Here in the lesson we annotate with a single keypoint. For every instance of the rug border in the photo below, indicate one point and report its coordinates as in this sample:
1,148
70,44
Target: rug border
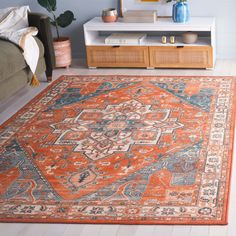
231,159
225,217
111,222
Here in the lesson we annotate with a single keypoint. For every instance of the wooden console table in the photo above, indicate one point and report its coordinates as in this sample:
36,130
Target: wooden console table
152,53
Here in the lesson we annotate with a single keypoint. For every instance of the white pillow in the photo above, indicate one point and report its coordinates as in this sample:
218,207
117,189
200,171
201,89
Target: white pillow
14,18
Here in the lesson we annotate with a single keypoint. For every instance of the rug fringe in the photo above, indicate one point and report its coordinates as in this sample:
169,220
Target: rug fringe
34,81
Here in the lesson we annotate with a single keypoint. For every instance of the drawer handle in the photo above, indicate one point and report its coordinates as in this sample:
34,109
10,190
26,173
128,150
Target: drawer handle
180,46
116,46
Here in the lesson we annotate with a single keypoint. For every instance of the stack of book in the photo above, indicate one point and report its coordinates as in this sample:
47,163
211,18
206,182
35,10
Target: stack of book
125,39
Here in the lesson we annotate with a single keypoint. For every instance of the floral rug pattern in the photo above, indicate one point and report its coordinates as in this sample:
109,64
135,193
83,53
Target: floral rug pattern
120,149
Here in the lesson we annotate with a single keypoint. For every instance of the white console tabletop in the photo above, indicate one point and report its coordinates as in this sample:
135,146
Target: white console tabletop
162,24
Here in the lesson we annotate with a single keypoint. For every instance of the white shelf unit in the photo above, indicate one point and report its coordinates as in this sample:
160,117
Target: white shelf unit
95,32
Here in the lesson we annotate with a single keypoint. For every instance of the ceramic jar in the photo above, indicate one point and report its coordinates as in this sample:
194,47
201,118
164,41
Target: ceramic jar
109,15
180,13
189,37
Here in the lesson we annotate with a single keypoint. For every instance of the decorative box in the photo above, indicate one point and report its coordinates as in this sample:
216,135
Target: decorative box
140,16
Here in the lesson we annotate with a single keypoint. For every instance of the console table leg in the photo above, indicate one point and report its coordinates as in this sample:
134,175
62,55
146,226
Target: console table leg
150,68
92,67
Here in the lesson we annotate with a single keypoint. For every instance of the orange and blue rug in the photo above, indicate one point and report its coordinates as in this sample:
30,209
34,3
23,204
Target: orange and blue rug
120,149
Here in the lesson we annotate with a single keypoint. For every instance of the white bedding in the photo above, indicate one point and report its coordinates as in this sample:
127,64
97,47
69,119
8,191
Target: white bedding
14,27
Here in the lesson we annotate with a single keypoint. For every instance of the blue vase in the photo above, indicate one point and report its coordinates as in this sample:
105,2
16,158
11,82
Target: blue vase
180,12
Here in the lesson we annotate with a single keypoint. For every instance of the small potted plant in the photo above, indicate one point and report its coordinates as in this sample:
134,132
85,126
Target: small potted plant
62,45
180,13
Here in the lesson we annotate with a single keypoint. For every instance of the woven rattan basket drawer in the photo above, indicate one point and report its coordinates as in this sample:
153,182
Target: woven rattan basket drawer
181,57
117,56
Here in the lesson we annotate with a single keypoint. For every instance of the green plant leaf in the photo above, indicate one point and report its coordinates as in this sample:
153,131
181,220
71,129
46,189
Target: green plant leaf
50,5
65,19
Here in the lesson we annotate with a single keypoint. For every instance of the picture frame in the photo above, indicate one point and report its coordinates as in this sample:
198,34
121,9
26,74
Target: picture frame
164,9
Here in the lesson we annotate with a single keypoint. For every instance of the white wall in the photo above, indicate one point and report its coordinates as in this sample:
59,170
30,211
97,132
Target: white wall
223,10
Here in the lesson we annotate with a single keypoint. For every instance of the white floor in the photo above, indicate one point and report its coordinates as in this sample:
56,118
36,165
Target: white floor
8,108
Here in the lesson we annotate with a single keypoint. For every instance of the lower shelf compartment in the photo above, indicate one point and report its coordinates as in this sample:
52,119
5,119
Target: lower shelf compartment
150,56
181,57
117,56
